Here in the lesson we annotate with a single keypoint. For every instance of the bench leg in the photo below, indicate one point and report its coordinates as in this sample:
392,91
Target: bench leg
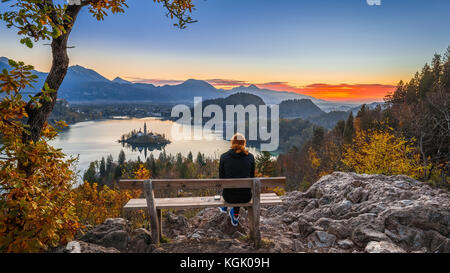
250,224
150,197
160,220
255,212
125,214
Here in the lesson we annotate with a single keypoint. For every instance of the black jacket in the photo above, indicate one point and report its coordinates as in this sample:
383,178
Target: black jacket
233,165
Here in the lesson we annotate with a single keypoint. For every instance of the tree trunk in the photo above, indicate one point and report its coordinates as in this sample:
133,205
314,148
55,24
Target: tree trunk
38,116
60,63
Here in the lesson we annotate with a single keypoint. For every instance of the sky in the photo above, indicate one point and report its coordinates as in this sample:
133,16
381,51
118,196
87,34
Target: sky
338,50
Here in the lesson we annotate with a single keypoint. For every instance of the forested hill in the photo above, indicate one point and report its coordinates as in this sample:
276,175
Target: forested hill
244,99
303,108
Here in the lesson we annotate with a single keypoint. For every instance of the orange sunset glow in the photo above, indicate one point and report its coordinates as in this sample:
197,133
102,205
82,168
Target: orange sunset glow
341,92
330,92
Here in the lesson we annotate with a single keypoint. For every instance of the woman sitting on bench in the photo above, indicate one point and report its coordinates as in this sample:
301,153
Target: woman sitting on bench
236,163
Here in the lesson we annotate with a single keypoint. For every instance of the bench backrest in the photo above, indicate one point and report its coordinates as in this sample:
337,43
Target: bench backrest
161,184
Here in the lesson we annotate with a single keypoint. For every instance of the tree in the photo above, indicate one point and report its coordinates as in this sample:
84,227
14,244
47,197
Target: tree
46,20
142,172
381,152
318,135
179,160
340,128
363,118
118,172
446,70
122,158
102,168
109,164
349,128
265,164
420,110
90,173
200,159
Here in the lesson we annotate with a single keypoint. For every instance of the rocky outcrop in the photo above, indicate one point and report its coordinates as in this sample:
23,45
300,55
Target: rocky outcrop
342,212
83,247
114,235
374,213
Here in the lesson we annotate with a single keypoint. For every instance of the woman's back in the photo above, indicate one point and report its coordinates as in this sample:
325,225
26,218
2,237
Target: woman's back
236,165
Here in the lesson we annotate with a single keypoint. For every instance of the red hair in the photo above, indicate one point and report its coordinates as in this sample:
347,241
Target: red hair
238,144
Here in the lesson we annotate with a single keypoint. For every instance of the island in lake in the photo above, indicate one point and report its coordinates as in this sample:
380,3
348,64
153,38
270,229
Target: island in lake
144,139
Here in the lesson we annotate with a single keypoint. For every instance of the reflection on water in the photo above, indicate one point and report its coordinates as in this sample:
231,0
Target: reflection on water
144,149
92,140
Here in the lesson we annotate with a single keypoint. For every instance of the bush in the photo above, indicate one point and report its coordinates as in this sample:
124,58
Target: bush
38,206
36,202
93,204
381,152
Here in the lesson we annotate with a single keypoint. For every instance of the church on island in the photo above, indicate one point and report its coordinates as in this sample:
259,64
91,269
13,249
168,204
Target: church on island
144,138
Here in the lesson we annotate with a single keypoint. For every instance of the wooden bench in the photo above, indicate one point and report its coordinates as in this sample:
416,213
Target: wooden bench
155,205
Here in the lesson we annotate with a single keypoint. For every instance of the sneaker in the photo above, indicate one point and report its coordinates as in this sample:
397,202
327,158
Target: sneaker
234,218
223,209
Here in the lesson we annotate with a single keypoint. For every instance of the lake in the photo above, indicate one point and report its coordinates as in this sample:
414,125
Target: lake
92,140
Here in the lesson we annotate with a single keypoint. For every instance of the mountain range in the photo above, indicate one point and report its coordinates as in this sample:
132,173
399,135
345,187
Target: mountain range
83,85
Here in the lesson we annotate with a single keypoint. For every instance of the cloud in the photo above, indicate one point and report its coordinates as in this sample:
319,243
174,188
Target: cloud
225,83
156,82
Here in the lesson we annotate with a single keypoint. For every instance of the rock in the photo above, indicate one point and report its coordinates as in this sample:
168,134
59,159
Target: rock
83,247
324,239
336,227
311,205
219,224
298,246
342,207
358,195
304,227
345,244
238,235
177,223
362,235
325,200
141,241
180,238
112,233
383,247
92,248
73,247
364,208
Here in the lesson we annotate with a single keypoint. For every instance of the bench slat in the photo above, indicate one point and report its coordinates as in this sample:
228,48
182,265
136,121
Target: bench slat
196,198
197,202
160,184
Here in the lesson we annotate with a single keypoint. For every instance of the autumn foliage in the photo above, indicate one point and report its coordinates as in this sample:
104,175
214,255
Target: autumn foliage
93,204
36,204
142,172
381,152
40,207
